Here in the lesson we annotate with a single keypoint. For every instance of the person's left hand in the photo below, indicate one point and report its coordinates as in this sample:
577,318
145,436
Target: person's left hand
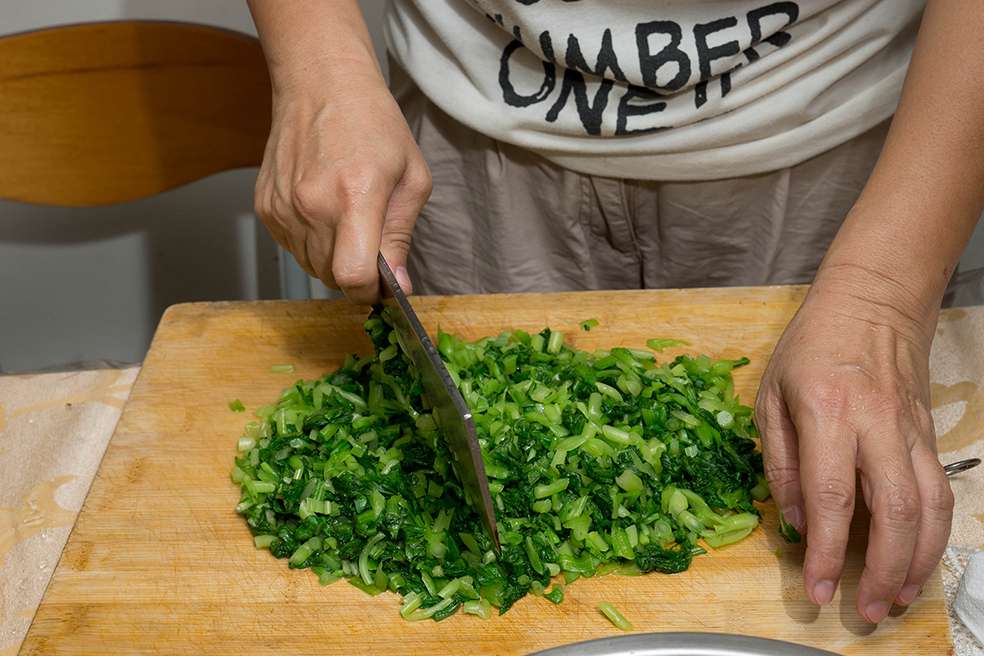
846,391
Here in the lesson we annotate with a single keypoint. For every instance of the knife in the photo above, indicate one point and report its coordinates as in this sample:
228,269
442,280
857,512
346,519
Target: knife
450,410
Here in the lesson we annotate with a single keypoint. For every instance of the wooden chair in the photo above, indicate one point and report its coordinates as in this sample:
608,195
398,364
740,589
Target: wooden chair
104,113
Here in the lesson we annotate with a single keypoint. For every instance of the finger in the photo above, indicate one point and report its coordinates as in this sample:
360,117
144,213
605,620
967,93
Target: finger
408,199
291,241
299,249
274,228
312,214
263,208
936,500
364,199
276,232
888,476
319,247
827,455
780,449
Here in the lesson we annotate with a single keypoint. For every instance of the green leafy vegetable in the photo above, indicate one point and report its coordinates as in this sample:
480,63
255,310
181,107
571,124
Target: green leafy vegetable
282,369
659,345
614,616
589,324
237,406
788,531
598,462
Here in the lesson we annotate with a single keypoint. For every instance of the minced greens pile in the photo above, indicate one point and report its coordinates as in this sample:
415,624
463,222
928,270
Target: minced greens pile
597,462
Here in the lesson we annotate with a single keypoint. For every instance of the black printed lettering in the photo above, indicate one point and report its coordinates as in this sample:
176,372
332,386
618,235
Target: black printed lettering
607,59
700,94
590,112
546,46
509,93
707,54
650,62
666,66
627,109
777,38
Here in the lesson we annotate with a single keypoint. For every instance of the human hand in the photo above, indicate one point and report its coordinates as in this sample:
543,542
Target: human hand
342,180
846,391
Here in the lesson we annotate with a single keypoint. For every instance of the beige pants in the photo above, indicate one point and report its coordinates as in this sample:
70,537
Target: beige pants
502,219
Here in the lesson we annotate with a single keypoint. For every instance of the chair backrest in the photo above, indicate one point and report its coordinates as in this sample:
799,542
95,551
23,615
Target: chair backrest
103,113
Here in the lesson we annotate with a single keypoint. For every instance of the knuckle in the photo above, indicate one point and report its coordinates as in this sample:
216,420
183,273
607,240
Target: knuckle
886,572
419,181
309,199
781,477
356,182
825,554
824,557
399,239
828,399
901,507
280,211
835,496
939,498
351,277
890,405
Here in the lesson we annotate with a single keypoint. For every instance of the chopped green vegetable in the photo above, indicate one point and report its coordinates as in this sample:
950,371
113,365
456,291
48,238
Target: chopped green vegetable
237,406
589,324
599,462
761,490
556,594
659,345
263,541
614,616
481,608
788,531
282,369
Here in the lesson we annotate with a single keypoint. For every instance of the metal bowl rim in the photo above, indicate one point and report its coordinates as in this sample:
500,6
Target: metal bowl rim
683,643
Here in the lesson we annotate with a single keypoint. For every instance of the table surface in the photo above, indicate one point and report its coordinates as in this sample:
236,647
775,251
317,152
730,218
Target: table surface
158,559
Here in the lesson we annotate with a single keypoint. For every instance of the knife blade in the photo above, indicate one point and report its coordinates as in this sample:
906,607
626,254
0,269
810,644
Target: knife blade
450,410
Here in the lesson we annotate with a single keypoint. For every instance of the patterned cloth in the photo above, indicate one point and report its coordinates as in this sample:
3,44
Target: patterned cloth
54,429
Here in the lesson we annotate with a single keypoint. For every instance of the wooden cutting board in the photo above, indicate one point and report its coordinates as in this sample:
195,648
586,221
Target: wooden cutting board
159,562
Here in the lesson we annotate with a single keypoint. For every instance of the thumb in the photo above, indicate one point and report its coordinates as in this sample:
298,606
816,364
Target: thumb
405,204
780,448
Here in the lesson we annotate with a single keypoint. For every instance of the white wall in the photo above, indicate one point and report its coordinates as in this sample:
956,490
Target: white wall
90,284
81,285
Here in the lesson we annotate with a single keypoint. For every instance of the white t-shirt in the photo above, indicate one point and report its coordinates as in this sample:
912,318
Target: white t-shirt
660,89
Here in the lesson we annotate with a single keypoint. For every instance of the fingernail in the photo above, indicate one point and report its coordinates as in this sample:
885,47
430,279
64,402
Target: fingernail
908,594
793,515
876,611
823,592
403,278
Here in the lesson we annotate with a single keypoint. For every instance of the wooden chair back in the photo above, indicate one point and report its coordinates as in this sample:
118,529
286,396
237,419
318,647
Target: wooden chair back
102,113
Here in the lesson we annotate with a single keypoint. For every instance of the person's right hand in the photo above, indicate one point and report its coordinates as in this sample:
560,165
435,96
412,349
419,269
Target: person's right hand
342,180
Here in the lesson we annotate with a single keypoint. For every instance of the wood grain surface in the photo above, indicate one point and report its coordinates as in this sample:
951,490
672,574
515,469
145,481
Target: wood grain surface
159,562
109,112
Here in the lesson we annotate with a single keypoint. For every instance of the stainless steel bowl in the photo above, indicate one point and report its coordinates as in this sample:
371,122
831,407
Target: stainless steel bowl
683,644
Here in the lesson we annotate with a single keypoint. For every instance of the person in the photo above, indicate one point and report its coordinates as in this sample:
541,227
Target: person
548,145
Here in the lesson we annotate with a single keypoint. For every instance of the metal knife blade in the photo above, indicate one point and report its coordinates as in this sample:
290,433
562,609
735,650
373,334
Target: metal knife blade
450,410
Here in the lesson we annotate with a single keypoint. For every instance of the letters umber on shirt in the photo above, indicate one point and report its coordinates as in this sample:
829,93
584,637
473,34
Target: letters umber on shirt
660,89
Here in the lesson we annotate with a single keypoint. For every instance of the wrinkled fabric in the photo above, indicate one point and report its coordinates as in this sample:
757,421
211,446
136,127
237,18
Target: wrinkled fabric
661,89
503,219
